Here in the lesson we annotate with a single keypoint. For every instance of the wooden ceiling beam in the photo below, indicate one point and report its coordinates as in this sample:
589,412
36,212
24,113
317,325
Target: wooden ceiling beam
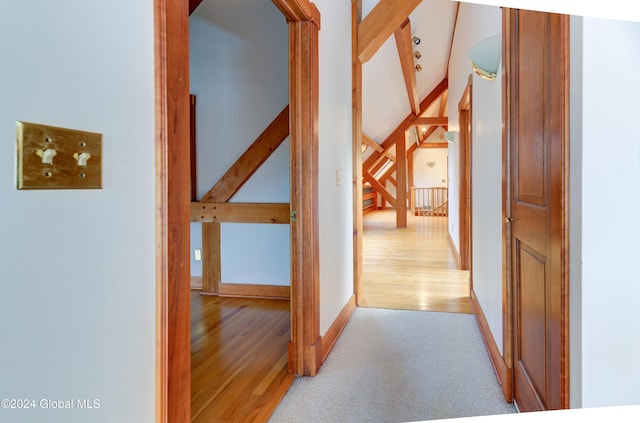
380,23
368,141
434,145
379,188
408,121
405,52
240,212
251,160
426,121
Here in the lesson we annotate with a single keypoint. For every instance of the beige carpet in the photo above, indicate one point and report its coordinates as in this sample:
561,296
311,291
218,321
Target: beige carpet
399,366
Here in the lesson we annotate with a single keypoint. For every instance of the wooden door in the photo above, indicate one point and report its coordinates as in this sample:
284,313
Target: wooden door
538,44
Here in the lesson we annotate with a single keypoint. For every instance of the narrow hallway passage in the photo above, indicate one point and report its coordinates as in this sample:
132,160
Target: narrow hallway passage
412,268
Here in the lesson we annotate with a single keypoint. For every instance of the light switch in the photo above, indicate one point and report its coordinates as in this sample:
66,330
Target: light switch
49,157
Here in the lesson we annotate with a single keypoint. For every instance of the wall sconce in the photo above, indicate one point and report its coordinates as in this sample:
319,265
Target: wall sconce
418,68
451,136
415,40
431,164
485,57
417,54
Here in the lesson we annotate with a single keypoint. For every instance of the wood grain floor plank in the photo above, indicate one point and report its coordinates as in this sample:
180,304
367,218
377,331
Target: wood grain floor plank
238,358
411,268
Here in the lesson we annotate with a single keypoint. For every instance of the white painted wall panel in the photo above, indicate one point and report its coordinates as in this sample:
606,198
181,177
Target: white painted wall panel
78,286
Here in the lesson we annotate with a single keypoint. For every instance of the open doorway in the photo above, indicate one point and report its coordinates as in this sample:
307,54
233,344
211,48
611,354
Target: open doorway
173,208
240,243
401,264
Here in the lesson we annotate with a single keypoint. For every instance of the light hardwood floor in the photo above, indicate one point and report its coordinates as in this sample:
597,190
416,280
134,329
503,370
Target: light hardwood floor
238,358
412,268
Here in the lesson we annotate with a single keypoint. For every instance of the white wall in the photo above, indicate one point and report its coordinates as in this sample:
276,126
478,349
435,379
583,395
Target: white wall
476,23
78,267
239,73
436,176
336,201
610,171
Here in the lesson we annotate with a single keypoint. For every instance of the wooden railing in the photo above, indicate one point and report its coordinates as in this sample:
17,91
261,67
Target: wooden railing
429,201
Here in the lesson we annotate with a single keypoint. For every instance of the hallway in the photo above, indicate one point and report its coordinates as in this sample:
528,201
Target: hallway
412,268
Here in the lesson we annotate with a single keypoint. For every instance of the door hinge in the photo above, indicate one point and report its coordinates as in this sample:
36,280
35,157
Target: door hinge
294,216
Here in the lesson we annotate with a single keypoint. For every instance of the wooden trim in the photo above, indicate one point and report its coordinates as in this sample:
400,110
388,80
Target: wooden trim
503,373
192,148
305,273
405,52
358,136
249,162
338,325
196,283
507,291
453,34
173,334
425,121
240,212
254,291
454,250
465,224
380,23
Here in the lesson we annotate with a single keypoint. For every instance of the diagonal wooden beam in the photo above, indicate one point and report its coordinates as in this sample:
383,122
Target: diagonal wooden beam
407,122
378,187
250,160
405,52
380,23
367,140
443,103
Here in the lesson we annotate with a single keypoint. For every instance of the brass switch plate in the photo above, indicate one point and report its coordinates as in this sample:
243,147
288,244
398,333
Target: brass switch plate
49,157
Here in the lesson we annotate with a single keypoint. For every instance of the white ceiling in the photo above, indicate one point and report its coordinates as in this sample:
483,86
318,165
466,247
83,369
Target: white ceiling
385,101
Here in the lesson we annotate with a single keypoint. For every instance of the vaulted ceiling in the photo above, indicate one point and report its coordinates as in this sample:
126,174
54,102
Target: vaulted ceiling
384,96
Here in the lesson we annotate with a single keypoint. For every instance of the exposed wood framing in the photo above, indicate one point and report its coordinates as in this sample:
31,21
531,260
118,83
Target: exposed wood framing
211,266
401,177
380,23
434,145
424,121
358,137
405,52
370,142
378,187
443,103
240,212
407,122
250,161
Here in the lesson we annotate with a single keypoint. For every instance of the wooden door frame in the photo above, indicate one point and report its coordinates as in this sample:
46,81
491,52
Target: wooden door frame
508,314
173,355
465,149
